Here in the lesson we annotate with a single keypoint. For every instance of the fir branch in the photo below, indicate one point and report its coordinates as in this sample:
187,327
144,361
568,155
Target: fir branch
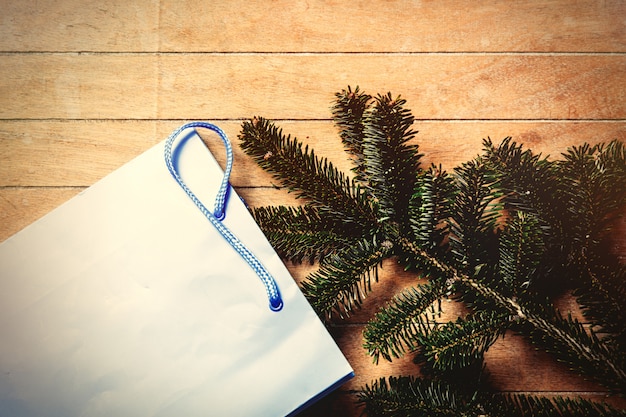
530,185
603,301
582,351
428,263
390,164
500,222
429,208
594,187
527,180
308,176
597,170
462,344
395,327
299,233
348,114
410,396
521,251
344,279
566,339
474,214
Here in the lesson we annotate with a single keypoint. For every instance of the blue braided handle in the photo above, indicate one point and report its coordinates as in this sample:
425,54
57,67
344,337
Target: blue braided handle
273,293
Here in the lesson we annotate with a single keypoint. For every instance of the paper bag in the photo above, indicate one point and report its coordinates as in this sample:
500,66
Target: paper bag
128,301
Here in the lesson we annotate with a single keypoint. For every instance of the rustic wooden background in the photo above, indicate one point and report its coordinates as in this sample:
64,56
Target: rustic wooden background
86,85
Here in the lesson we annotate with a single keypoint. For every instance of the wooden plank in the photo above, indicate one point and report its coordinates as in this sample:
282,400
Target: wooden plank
78,153
77,86
69,153
201,86
449,86
398,26
312,26
79,25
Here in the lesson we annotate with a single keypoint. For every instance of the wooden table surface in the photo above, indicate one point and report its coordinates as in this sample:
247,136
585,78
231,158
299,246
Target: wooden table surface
87,85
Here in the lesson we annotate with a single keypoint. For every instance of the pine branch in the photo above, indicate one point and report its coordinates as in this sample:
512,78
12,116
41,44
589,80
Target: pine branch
575,201
394,329
409,396
474,214
429,264
603,300
344,279
594,187
459,345
501,231
528,182
348,114
299,233
429,208
566,339
521,251
582,351
530,185
307,175
390,164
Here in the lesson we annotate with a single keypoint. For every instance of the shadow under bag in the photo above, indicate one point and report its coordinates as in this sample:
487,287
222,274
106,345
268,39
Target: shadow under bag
135,299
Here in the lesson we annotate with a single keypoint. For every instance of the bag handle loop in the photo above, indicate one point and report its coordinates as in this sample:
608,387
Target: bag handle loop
219,213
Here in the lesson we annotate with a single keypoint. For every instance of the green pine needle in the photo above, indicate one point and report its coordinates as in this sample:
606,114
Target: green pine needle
411,396
310,177
429,208
395,328
348,113
390,164
463,343
415,397
474,214
521,251
603,300
301,233
524,405
344,279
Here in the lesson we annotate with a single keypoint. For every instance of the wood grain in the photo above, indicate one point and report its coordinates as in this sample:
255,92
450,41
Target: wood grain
192,86
399,26
79,25
76,86
313,26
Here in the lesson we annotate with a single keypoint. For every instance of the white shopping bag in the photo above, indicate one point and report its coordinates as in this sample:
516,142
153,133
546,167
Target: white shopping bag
129,300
